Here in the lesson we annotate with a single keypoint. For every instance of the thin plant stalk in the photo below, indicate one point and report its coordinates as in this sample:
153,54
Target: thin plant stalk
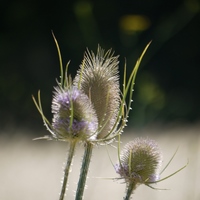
84,170
67,169
129,191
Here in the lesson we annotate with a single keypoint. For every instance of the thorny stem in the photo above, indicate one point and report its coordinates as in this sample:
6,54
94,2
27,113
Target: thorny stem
84,171
129,191
67,168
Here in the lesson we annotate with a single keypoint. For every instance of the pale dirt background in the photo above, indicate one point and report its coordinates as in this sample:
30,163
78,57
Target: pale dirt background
32,170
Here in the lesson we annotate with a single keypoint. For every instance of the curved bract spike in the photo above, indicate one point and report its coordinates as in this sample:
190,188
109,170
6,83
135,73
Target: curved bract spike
60,60
160,180
45,120
129,86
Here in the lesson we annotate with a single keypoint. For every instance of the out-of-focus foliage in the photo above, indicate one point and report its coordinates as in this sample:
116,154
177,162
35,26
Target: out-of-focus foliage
167,86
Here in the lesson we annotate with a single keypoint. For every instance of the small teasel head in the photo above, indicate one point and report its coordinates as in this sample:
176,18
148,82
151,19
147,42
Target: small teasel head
139,162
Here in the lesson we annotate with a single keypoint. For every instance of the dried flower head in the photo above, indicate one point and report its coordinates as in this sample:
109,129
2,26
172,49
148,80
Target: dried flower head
99,79
140,160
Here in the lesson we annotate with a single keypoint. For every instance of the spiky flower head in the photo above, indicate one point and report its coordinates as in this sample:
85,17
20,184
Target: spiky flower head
99,79
105,112
73,115
139,162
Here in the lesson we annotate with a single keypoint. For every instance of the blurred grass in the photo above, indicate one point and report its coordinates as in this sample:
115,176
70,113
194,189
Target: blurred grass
33,169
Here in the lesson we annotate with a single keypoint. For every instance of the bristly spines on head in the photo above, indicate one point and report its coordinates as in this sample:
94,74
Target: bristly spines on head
98,77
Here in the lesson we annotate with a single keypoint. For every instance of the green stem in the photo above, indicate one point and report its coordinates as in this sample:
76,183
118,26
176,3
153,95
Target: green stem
67,168
129,190
84,171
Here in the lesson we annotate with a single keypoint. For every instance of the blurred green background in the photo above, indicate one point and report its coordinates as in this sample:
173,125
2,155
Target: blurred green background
167,85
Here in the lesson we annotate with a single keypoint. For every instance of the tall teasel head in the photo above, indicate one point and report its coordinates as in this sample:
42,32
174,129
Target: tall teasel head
99,79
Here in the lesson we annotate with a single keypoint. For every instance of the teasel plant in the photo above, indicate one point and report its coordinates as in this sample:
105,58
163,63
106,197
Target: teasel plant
98,78
89,109
74,119
139,163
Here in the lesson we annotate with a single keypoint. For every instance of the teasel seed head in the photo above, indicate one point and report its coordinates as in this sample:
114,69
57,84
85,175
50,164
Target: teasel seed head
73,115
98,78
139,162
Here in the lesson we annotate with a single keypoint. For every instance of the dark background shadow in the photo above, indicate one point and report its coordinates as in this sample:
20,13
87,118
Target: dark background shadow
167,86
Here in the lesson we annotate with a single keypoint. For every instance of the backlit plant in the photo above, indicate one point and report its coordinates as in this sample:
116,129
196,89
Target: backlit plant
92,110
